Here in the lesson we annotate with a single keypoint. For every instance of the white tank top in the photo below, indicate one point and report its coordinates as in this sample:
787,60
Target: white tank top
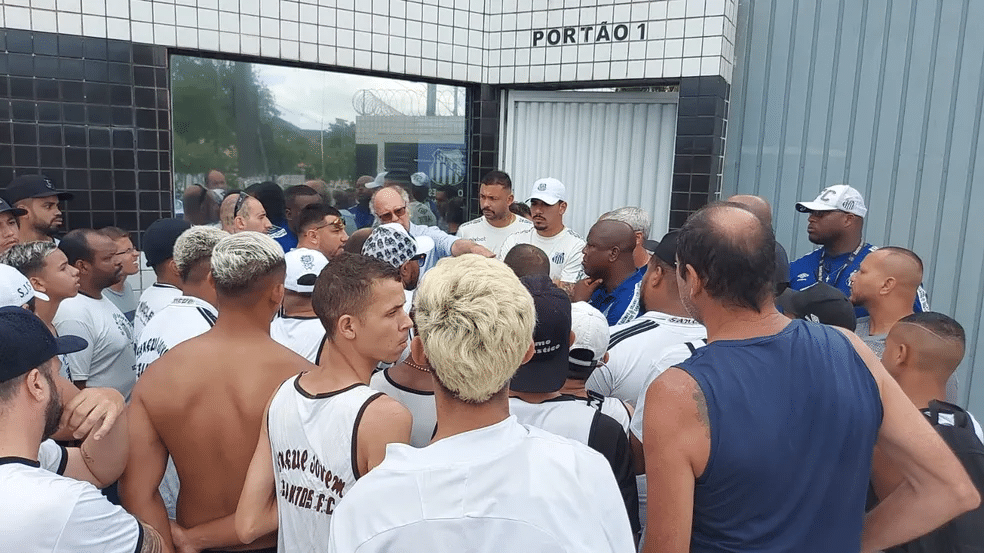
420,404
313,439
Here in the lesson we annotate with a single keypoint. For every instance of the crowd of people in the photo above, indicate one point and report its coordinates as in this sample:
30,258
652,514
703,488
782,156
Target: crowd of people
366,372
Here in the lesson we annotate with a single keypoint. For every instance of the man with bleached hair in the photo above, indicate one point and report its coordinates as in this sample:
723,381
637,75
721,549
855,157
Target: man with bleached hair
203,399
485,478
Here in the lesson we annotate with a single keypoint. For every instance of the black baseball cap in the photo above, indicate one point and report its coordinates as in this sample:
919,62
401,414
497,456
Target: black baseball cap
665,249
159,239
15,211
820,303
26,343
547,370
32,186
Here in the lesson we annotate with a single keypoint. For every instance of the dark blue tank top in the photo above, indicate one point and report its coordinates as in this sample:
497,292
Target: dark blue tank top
794,417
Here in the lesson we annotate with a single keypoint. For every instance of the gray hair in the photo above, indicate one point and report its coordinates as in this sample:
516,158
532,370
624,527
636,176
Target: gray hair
635,217
242,259
403,196
194,245
28,258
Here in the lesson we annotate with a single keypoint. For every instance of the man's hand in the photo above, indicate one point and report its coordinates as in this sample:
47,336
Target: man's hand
93,409
461,247
182,544
584,288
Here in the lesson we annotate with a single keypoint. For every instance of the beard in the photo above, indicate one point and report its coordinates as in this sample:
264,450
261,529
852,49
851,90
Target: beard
691,308
52,411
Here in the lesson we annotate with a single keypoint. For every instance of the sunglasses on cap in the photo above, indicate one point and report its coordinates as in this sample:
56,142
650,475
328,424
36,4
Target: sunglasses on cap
239,203
338,225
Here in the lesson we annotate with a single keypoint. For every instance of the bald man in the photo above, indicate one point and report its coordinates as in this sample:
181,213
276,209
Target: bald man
612,283
886,285
527,259
761,209
226,212
921,353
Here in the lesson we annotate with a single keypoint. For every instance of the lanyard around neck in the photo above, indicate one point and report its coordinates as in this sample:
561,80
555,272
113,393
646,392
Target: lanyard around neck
840,271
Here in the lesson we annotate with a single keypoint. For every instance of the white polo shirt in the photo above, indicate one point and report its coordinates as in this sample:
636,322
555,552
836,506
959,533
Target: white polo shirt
185,318
633,347
564,250
303,335
152,300
109,361
43,511
505,487
481,232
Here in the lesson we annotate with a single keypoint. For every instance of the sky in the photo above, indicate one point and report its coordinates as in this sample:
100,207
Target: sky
311,98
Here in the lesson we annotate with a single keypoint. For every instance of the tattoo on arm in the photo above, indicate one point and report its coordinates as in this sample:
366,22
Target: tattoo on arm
152,540
702,415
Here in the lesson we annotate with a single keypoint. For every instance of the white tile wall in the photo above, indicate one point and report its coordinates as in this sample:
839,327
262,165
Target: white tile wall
486,41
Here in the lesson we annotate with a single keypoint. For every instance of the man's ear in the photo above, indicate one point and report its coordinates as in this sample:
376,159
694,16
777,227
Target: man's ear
563,207
529,353
887,285
417,352
37,284
346,327
277,294
693,281
34,387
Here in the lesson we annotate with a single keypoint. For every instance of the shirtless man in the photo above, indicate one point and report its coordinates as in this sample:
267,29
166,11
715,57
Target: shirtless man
329,417
202,417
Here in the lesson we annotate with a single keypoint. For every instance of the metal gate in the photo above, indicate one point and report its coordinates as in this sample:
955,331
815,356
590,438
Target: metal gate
611,149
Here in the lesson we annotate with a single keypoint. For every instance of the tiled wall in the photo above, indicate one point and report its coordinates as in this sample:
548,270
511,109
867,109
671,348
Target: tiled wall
487,41
92,114
702,117
563,41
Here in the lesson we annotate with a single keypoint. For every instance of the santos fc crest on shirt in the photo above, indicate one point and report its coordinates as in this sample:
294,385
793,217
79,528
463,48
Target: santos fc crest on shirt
558,258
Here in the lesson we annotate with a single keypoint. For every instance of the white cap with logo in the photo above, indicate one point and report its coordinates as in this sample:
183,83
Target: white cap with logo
548,190
15,288
839,197
591,333
303,267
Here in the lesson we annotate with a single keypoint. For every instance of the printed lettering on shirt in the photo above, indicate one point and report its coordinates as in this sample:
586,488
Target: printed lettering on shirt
322,501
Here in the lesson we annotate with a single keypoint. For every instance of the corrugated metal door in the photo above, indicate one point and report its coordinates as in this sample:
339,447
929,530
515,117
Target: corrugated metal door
610,150
884,95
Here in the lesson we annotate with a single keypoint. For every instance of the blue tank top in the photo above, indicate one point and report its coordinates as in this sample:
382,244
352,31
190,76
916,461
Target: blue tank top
794,417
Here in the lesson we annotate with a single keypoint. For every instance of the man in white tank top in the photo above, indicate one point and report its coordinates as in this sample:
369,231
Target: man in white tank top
325,428
298,328
486,482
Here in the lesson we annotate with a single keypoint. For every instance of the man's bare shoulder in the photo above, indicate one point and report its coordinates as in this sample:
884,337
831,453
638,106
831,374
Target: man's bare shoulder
386,409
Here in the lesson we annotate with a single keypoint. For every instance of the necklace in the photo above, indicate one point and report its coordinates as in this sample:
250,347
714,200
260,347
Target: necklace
836,277
416,366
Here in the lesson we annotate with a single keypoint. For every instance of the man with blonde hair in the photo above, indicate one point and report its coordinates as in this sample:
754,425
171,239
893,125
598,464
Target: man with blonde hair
485,478
203,399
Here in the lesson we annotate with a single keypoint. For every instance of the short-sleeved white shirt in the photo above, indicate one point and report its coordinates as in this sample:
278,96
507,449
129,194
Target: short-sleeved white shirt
505,487
43,511
632,349
564,250
481,232
303,335
152,300
109,361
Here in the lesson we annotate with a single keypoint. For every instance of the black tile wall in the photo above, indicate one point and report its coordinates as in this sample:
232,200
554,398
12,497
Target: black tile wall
702,117
483,140
94,116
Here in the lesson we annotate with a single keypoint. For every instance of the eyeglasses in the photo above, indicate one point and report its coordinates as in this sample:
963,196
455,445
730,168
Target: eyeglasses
337,225
239,203
419,258
394,215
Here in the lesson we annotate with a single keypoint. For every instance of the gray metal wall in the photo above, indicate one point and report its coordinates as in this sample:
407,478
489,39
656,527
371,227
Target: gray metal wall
886,96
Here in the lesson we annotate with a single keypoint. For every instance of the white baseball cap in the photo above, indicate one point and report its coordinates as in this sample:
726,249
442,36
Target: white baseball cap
591,333
379,181
839,197
548,190
303,267
15,289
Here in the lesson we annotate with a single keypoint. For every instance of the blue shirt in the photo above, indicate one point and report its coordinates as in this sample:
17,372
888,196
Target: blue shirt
622,304
793,421
837,271
442,245
283,236
363,217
